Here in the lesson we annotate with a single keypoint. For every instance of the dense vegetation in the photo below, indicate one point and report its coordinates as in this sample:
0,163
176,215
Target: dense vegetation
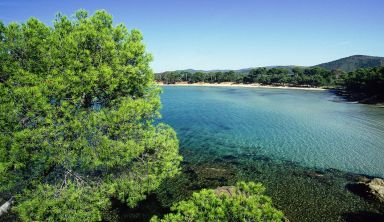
366,84
245,202
296,76
78,101
353,63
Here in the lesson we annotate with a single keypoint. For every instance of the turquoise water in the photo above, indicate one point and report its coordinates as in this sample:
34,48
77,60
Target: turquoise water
311,128
306,147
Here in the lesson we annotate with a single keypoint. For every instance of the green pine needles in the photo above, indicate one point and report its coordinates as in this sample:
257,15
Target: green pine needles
77,111
245,202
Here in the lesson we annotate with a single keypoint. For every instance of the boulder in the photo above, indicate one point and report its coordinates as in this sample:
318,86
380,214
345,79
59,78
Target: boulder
369,188
376,187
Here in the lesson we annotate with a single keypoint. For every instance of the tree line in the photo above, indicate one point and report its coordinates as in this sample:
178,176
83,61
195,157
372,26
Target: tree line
296,76
363,83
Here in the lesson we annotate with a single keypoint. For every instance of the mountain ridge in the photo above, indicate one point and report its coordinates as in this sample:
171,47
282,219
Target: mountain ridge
347,64
351,63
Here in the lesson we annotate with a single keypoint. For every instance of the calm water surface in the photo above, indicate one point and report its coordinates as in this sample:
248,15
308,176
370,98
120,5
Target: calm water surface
312,128
304,146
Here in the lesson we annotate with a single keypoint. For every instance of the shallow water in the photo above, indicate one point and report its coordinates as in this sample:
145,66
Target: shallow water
312,128
304,146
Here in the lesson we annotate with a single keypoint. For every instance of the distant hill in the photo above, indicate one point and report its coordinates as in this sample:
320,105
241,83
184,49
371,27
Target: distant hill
347,64
245,70
354,62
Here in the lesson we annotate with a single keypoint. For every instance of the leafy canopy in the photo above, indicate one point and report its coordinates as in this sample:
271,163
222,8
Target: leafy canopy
369,81
78,101
246,202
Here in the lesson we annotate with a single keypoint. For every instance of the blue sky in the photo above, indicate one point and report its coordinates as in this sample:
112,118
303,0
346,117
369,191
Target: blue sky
223,34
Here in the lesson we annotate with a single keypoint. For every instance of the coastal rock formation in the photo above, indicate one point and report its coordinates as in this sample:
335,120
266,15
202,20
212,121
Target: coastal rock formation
369,188
376,187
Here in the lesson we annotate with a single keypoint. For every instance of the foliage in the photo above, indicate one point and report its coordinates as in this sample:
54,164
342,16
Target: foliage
75,203
326,74
246,203
296,76
78,101
367,81
193,77
352,63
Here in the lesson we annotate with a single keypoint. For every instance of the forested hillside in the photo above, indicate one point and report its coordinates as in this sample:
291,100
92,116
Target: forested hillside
353,63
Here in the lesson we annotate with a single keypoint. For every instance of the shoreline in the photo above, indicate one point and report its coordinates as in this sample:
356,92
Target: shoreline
232,84
346,96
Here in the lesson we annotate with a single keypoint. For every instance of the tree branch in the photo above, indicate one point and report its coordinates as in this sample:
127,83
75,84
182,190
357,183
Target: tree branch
6,206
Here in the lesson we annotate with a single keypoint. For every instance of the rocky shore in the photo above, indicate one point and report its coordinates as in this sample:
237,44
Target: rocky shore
369,188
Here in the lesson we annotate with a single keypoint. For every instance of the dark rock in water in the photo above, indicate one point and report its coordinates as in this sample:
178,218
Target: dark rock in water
318,176
190,173
359,189
218,160
234,162
184,162
362,179
333,171
263,158
368,188
353,177
223,127
251,169
228,157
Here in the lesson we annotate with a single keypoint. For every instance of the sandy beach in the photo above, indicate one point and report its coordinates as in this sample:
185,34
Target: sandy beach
232,84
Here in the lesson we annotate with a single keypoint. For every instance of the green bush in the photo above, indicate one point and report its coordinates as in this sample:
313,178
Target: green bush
245,202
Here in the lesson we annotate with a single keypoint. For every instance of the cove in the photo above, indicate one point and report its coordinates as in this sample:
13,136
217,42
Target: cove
305,146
